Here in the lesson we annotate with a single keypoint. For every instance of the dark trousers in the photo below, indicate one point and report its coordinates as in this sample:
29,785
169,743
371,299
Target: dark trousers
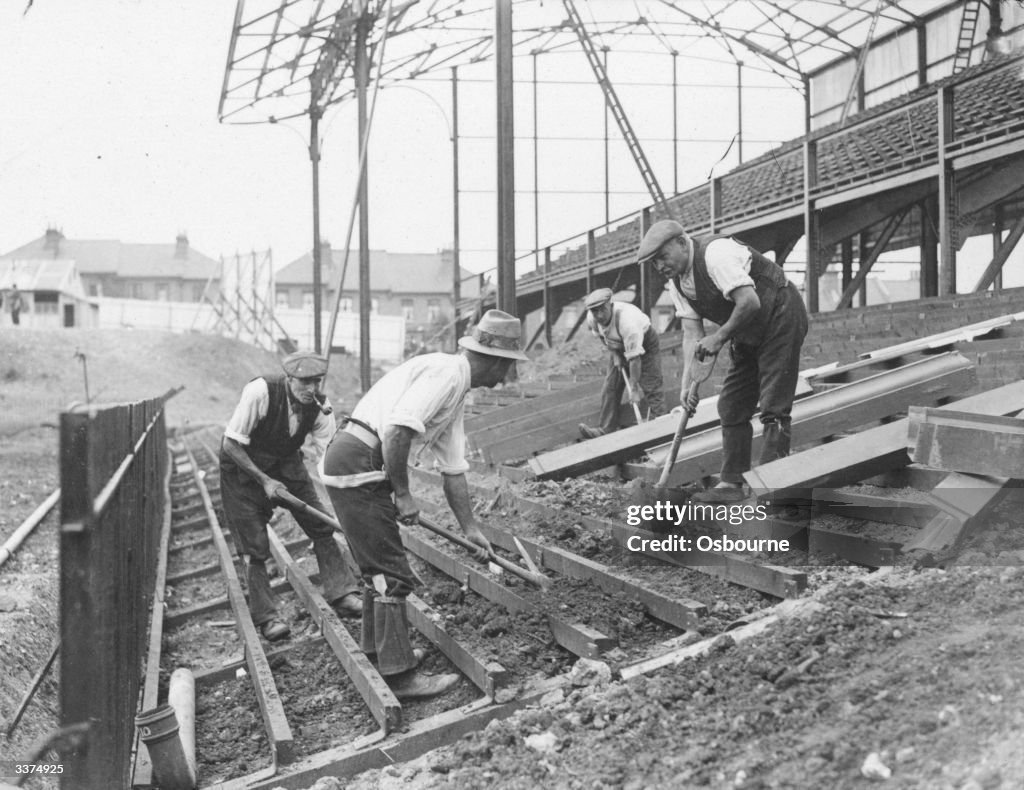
766,373
247,511
368,516
650,381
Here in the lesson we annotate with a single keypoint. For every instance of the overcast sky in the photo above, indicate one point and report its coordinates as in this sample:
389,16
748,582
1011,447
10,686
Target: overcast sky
108,129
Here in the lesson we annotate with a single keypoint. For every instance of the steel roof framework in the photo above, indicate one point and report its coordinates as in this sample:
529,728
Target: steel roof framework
288,55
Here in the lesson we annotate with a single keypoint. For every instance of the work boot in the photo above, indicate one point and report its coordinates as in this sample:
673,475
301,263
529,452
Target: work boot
349,605
721,495
590,433
415,685
274,630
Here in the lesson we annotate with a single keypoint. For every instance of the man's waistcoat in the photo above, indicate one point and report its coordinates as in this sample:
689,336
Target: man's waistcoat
769,281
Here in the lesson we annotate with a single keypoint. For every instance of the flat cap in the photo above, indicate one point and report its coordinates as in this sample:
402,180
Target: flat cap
304,365
598,297
660,232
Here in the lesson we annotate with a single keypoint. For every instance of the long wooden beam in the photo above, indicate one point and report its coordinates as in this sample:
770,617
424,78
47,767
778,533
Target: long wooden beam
682,614
279,733
828,413
957,441
574,637
488,676
383,705
870,507
870,452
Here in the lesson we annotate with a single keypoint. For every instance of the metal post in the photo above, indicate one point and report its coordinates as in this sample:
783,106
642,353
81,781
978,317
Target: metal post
456,264
947,195
607,170
675,123
997,242
506,296
314,158
362,80
739,110
536,192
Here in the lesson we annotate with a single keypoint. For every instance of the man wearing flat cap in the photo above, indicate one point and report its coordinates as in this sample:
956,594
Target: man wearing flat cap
261,452
416,407
760,313
634,352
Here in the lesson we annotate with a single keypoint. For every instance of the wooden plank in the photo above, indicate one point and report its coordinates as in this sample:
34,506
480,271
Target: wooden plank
279,733
827,413
573,637
957,441
859,549
964,502
943,339
488,676
890,510
682,614
627,443
872,451
142,769
780,582
620,446
530,406
383,705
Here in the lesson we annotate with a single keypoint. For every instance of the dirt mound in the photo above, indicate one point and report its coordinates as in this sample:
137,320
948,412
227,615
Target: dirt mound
43,371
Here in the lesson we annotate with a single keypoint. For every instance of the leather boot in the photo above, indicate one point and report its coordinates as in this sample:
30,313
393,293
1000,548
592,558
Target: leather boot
415,685
772,442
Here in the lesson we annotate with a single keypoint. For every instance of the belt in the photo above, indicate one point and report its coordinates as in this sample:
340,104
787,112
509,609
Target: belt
363,434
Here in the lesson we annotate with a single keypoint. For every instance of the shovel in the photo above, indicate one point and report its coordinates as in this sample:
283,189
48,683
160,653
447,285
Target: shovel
629,392
538,579
700,371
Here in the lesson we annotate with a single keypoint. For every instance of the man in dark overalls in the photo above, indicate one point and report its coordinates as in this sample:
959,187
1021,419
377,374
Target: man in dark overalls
262,451
762,314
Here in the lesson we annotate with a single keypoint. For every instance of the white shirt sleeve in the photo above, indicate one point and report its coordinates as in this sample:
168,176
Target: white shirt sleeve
728,263
633,325
252,407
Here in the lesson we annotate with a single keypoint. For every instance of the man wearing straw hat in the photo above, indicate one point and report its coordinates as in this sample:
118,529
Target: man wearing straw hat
417,406
261,451
760,313
634,354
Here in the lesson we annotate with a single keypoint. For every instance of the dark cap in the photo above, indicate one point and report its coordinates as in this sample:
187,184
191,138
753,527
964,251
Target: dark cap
304,365
660,232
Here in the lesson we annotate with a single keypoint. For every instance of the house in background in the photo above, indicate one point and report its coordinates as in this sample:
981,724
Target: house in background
415,286
171,272
51,291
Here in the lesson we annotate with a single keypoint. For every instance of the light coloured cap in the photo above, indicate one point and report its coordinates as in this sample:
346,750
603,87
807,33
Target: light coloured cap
598,297
654,239
304,365
498,334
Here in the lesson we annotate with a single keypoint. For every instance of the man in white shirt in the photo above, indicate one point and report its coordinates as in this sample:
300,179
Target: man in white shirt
763,316
417,406
626,331
262,451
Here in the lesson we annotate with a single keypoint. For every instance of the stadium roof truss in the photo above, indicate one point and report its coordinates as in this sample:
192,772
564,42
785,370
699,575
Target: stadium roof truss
288,56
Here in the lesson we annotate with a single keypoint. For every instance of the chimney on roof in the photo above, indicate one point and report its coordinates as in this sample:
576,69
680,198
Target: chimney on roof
181,246
52,241
326,257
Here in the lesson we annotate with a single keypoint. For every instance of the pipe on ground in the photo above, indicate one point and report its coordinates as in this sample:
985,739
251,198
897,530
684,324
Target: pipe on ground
182,697
29,524
169,734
